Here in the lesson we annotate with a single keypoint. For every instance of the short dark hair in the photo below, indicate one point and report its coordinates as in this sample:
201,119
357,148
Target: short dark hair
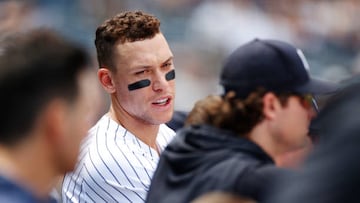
128,26
36,67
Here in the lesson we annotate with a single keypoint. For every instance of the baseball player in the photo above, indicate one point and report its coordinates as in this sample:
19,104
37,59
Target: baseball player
121,152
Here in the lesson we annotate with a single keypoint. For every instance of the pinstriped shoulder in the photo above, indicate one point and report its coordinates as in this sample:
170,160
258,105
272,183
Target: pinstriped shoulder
165,136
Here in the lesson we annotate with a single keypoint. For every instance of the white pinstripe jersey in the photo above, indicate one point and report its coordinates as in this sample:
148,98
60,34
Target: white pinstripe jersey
114,166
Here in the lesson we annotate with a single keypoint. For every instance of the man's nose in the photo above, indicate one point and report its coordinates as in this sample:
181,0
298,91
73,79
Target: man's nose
159,81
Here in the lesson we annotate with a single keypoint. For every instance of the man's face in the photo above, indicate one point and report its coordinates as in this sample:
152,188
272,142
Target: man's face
144,81
80,116
292,123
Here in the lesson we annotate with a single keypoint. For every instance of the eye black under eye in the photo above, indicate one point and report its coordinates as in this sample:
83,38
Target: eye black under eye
170,75
139,84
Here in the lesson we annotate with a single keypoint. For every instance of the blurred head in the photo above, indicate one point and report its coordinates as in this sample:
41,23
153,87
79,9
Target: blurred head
136,67
44,90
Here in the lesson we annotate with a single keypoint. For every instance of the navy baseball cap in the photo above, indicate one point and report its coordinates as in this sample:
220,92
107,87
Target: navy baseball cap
271,64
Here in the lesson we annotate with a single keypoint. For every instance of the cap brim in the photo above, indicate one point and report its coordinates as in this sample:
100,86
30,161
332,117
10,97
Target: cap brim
317,86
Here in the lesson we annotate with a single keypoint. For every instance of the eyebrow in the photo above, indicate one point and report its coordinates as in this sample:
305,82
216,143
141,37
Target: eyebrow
169,59
144,67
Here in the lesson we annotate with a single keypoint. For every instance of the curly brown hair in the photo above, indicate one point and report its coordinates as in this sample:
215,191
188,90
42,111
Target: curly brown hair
231,113
128,26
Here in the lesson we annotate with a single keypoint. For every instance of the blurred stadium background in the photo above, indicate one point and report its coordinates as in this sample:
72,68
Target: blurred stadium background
202,32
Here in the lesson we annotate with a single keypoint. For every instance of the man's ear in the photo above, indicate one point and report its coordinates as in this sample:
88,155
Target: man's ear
270,105
106,79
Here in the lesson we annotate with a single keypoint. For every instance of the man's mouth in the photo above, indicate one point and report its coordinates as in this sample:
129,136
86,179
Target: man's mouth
162,101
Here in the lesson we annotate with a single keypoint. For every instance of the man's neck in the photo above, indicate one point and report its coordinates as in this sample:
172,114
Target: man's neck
261,136
145,132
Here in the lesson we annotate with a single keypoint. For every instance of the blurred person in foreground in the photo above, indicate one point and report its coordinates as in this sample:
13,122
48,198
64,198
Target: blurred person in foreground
121,152
232,142
331,172
46,93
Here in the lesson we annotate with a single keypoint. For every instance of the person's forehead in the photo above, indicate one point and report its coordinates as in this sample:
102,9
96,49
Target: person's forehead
145,51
